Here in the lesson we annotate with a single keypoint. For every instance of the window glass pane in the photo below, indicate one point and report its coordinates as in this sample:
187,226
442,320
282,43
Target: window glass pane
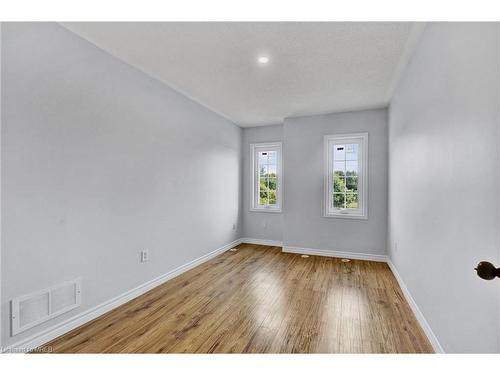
339,168
271,157
351,168
267,163
352,200
272,182
262,158
338,201
272,170
351,152
352,184
272,197
263,186
339,184
339,152
263,198
263,170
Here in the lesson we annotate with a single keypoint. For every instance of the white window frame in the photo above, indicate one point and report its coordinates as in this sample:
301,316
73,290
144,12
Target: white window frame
346,213
254,199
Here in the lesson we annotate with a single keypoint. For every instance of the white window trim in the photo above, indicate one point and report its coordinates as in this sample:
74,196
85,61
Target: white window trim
362,213
254,148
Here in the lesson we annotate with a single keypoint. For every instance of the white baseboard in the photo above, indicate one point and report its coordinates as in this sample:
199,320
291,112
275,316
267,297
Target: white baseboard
257,241
335,254
418,314
51,333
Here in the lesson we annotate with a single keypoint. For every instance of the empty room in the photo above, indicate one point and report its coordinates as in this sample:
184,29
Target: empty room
250,187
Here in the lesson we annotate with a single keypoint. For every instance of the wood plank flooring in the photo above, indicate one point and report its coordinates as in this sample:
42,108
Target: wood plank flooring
260,300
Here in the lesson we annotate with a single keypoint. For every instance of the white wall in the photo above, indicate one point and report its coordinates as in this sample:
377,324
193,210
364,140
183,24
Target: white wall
259,225
98,162
304,224
444,187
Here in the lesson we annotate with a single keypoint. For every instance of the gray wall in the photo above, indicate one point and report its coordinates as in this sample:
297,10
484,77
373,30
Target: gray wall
98,162
444,182
304,224
259,225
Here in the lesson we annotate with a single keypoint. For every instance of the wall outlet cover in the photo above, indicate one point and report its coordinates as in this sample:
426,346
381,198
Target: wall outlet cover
144,255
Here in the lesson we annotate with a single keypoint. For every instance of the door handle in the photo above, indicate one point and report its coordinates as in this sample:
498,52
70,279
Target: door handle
487,271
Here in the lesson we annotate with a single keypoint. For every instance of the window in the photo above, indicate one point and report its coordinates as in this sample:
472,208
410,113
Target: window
266,177
346,175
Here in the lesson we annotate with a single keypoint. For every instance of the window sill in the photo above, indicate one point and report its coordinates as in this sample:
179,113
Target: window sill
267,210
346,216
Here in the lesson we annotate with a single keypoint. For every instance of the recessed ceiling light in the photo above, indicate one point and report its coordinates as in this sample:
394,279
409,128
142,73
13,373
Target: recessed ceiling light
263,59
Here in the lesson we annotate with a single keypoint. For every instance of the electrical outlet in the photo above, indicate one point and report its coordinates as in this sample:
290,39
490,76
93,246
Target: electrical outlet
234,226
144,256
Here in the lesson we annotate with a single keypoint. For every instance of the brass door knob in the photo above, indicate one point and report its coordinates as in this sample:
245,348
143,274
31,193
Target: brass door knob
487,271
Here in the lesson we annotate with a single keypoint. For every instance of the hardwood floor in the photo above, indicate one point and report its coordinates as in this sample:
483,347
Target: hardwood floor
260,300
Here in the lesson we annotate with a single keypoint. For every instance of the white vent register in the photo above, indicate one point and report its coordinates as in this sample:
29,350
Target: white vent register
35,308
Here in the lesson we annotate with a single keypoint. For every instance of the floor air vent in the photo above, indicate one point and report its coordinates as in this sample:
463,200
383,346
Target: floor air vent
35,308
